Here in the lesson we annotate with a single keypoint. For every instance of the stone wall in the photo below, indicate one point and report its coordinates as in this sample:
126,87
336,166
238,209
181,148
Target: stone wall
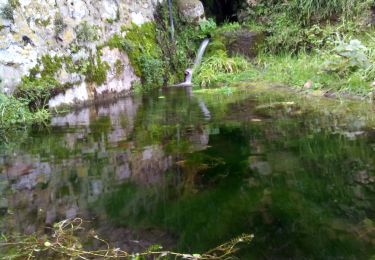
40,27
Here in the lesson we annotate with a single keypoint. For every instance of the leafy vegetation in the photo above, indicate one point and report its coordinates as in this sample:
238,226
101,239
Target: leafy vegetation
14,111
95,70
309,44
216,67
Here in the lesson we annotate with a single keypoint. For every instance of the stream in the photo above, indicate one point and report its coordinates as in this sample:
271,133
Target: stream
193,170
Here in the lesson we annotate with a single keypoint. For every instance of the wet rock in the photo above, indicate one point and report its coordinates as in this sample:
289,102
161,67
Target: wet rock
192,11
243,42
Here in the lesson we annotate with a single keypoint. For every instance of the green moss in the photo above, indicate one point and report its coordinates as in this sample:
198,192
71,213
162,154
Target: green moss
42,22
59,24
119,68
119,42
40,85
86,32
141,41
95,70
144,53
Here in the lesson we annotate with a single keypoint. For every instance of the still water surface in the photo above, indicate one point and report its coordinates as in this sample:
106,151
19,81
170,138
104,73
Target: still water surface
191,171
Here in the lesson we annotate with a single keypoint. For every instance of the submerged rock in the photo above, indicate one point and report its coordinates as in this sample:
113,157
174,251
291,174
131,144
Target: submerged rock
192,11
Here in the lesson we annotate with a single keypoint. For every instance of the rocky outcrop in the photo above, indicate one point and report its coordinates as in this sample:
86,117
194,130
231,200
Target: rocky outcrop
192,11
73,28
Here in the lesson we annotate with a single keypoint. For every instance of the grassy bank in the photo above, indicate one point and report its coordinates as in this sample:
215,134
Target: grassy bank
311,44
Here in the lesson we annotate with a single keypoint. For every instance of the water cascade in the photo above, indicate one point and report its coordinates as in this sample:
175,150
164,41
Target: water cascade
171,19
198,59
201,51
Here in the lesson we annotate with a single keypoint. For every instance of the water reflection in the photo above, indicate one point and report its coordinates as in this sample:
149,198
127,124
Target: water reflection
285,173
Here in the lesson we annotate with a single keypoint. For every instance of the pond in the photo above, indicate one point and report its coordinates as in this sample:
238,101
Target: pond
192,170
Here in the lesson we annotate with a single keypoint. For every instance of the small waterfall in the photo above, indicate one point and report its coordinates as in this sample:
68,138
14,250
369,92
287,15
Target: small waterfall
171,19
201,51
197,62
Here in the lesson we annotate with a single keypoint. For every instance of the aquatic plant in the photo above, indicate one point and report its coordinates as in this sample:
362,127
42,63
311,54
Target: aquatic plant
65,242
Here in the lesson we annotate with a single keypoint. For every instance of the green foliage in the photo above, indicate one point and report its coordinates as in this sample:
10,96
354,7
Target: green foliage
119,68
42,22
207,26
37,88
51,65
59,24
218,66
86,32
140,42
296,70
37,91
308,11
316,10
144,53
348,57
179,54
119,42
14,111
303,25
95,70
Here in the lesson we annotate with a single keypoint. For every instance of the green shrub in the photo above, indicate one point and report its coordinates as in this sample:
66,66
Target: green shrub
37,91
12,111
208,26
217,67
347,57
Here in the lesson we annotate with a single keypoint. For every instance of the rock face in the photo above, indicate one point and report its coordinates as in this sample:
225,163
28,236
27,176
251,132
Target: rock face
242,42
192,11
35,28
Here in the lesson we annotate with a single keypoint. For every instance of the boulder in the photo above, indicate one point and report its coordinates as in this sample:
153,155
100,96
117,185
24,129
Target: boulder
192,11
243,42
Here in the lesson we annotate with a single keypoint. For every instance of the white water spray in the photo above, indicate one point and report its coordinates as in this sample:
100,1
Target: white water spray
201,51
197,62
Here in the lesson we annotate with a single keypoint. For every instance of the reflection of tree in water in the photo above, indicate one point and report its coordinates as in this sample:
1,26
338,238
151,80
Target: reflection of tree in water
301,189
